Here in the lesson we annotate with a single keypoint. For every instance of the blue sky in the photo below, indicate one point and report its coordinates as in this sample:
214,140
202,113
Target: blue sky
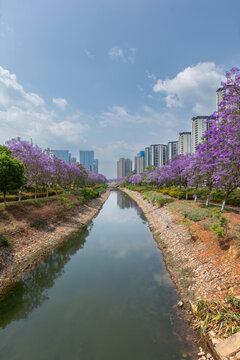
111,75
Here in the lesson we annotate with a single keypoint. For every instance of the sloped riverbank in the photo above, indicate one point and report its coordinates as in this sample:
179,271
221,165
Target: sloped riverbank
33,243
194,264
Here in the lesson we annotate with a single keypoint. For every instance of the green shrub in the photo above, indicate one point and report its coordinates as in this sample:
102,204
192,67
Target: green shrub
5,240
164,201
197,214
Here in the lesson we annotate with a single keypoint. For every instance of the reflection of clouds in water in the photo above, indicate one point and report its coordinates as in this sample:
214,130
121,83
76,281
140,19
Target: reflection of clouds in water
121,253
119,249
163,279
124,217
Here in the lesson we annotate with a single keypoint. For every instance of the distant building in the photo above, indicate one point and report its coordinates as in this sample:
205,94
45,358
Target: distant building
124,167
128,166
184,143
172,149
199,126
62,154
87,159
139,162
95,166
219,97
147,157
158,154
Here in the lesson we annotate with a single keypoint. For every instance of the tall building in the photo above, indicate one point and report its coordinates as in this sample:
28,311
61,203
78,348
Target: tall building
172,149
219,96
128,166
95,166
62,154
73,159
147,157
158,154
139,162
87,159
184,143
199,126
124,167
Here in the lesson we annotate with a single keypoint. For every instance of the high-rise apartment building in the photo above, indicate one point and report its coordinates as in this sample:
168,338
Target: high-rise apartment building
139,162
199,126
147,157
124,167
73,159
128,166
184,143
172,149
95,166
87,159
62,154
219,96
158,154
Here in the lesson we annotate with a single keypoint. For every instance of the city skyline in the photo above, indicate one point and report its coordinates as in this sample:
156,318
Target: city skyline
130,77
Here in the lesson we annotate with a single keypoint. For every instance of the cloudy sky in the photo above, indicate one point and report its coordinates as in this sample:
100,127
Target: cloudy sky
112,76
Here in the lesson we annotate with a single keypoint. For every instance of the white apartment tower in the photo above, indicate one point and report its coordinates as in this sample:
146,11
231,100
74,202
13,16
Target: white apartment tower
158,154
172,149
184,143
199,126
219,97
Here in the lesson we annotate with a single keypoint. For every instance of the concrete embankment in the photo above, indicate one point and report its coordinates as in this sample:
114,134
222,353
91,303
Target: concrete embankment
38,243
193,267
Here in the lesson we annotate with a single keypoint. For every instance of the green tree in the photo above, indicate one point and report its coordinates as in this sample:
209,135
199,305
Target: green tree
5,150
11,174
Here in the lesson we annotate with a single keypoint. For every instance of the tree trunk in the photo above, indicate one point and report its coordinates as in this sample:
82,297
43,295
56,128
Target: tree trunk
186,193
195,198
207,201
47,190
4,199
20,195
35,193
224,201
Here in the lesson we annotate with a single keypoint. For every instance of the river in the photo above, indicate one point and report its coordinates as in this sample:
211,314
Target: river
104,295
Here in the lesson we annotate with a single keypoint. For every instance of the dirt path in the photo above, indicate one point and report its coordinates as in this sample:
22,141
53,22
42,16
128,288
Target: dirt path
37,243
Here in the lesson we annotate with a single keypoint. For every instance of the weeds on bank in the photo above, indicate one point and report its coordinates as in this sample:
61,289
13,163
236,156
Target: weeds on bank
158,198
222,227
5,240
221,317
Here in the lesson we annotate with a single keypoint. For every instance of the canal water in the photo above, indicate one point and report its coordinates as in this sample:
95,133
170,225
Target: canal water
104,295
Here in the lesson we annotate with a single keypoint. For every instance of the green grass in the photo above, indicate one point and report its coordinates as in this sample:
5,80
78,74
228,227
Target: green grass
156,197
5,240
191,210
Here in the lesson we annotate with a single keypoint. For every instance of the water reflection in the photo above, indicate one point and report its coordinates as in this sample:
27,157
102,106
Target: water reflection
111,299
30,293
125,202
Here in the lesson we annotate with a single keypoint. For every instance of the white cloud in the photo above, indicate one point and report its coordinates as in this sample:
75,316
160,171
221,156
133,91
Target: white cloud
125,56
131,57
116,53
13,94
24,114
60,102
151,76
111,152
195,85
5,28
119,116
89,54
